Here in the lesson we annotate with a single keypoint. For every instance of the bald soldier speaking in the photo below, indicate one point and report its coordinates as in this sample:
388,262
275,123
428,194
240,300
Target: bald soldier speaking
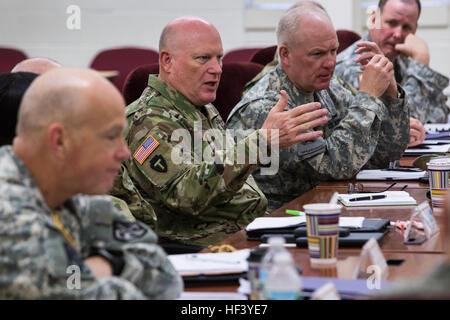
197,201
59,238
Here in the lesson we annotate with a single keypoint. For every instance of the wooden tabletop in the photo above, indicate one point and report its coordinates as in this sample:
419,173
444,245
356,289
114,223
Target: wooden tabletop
391,242
414,260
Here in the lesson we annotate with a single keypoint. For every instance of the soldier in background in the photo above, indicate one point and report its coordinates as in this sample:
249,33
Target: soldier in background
197,202
370,127
417,130
12,89
59,239
393,30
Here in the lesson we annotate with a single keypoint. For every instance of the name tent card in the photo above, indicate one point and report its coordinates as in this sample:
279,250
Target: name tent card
372,264
422,225
326,292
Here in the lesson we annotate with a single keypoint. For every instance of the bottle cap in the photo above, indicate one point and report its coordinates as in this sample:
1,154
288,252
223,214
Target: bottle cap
276,240
282,258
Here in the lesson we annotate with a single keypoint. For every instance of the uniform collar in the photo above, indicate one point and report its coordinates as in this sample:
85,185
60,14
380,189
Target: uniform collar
18,173
179,101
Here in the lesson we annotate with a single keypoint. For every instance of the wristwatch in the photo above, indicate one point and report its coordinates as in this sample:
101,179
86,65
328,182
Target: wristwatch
116,260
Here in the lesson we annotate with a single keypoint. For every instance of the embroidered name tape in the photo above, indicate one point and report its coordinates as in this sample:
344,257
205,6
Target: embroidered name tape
146,148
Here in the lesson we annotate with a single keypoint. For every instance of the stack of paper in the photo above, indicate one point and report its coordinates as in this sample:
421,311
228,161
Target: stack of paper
286,222
210,263
393,198
386,174
427,149
437,127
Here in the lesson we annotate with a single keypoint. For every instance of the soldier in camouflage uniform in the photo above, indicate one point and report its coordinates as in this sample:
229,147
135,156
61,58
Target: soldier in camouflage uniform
196,202
362,129
272,64
55,242
394,33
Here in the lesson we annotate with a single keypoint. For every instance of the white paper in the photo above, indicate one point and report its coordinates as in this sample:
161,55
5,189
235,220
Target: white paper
210,263
394,198
274,222
389,175
441,148
436,127
351,222
285,222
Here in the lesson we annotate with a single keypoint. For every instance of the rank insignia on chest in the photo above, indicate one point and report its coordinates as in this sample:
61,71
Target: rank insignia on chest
146,148
158,163
128,231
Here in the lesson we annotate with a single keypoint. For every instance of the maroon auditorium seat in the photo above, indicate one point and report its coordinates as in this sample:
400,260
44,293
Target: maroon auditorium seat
346,38
265,55
9,57
234,77
239,55
123,59
136,81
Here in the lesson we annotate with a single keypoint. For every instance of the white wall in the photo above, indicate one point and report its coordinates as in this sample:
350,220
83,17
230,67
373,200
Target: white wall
39,26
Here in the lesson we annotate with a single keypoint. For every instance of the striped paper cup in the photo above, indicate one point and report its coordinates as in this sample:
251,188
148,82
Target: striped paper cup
322,221
439,174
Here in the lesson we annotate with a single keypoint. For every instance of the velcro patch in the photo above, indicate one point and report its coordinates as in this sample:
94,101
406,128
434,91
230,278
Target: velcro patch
158,163
145,149
126,231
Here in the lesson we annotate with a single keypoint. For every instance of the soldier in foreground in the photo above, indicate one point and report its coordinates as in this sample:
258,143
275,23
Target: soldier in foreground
59,239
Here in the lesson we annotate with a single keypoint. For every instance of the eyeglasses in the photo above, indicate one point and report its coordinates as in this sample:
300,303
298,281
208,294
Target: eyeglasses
359,188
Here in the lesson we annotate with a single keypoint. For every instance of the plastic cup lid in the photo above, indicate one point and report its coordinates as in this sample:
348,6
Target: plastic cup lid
322,208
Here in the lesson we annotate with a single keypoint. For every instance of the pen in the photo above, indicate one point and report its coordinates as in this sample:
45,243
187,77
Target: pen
295,212
382,196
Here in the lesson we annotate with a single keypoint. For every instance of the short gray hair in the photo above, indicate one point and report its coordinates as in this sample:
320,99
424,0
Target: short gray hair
289,22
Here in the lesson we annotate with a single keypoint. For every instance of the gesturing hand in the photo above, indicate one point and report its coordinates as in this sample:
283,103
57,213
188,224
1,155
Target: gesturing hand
368,50
291,125
417,132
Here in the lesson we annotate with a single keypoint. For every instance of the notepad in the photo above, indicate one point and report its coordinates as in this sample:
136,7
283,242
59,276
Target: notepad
437,127
210,263
429,149
389,175
393,198
286,222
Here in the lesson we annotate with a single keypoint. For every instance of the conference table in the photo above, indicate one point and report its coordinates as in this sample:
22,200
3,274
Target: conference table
404,261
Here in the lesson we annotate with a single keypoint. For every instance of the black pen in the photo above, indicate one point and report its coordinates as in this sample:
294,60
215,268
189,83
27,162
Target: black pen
381,196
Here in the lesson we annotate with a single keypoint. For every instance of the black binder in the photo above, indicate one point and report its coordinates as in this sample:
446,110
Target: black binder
348,237
213,279
369,225
357,239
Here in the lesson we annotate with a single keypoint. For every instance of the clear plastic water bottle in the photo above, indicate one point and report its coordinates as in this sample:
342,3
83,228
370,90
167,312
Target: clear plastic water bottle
276,244
283,281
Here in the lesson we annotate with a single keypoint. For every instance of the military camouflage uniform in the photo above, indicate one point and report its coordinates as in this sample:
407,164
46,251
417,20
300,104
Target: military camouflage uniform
196,202
434,285
424,87
39,259
360,128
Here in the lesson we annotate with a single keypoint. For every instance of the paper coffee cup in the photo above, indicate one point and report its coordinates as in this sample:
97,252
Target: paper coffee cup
439,174
322,221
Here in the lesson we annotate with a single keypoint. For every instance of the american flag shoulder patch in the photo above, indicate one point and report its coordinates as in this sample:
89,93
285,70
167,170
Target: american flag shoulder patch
146,148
